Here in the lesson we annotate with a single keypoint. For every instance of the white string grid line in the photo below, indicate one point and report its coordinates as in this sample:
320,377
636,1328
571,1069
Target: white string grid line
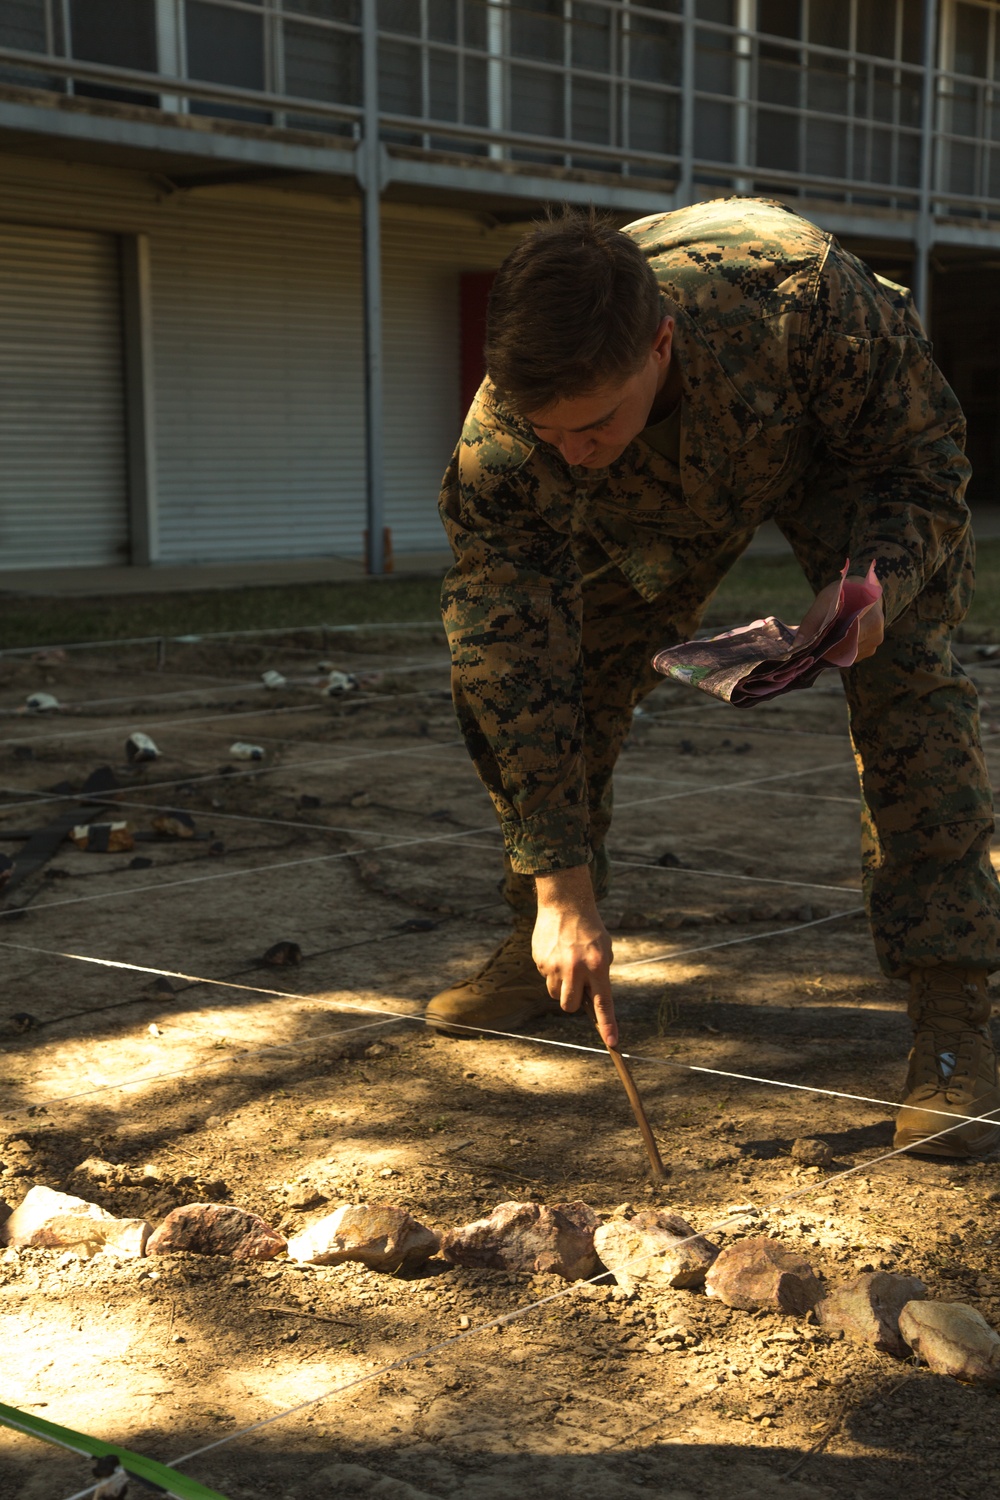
347,854
250,772
349,1008
221,636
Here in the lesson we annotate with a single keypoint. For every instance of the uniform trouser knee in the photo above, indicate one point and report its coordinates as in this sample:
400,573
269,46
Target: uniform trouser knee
927,807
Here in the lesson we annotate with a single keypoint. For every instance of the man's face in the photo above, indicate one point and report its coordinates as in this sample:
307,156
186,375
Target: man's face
591,431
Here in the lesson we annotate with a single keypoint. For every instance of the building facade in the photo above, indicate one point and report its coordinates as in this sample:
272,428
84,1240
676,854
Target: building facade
245,244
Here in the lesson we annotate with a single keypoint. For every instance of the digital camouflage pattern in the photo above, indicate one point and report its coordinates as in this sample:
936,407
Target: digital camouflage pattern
809,396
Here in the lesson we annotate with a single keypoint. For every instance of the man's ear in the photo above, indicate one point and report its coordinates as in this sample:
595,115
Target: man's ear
663,340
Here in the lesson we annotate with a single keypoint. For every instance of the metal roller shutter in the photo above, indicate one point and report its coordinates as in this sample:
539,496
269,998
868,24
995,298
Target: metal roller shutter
259,384
62,433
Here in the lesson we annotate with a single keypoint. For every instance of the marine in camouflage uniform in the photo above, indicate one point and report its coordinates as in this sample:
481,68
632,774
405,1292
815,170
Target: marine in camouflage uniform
810,397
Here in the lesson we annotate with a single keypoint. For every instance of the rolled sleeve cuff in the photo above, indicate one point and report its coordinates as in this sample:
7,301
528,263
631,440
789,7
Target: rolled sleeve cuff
546,842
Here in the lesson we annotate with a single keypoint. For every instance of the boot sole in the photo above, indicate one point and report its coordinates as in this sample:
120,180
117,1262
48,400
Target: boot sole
954,1146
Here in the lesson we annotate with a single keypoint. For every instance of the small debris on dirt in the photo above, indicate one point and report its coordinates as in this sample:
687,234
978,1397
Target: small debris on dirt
654,1248
243,751
174,825
103,838
50,1220
23,1020
273,680
141,862
952,1339
216,847
669,861
339,682
867,1310
41,703
139,748
100,781
760,1273
281,955
528,1237
382,1237
216,1229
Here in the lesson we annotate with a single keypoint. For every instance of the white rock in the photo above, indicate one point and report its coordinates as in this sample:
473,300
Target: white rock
273,680
952,1339
41,703
654,1248
47,1219
381,1236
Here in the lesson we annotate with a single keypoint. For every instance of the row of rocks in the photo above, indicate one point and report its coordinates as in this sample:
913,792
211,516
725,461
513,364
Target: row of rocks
651,1250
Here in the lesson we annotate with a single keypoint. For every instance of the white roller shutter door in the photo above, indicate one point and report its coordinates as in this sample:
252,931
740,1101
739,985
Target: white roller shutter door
259,385
62,423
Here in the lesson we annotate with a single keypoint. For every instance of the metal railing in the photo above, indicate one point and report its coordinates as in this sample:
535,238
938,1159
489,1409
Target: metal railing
680,93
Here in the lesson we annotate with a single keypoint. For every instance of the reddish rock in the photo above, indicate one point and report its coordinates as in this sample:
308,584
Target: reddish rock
58,1221
952,1339
528,1237
811,1152
654,1248
867,1310
216,1229
382,1237
761,1273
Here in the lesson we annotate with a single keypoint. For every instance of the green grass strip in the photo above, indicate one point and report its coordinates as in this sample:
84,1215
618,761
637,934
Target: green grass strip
146,1470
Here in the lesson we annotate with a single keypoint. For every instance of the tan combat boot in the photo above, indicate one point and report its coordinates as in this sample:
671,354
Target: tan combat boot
507,993
953,1066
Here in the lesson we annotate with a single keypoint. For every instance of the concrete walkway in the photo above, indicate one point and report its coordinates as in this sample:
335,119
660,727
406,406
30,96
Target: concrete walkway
171,578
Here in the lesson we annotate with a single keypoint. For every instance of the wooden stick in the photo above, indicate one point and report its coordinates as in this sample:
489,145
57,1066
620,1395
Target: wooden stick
658,1171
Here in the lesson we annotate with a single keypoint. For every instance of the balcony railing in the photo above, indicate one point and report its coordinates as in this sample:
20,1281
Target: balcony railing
829,102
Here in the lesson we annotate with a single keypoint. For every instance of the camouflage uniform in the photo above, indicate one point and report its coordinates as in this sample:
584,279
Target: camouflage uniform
810,397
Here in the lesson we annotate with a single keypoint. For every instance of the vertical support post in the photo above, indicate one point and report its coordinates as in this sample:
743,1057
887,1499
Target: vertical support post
370,165
170,51
743,89
496,73
140,407
685,184
924,235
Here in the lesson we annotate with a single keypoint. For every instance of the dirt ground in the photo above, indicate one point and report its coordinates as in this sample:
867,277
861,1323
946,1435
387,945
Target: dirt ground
364,837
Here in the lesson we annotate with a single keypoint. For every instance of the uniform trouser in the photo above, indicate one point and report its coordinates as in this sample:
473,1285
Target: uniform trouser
927,811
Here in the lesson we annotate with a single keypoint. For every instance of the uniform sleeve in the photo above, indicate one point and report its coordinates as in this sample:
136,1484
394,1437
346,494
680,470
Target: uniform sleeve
892,427
512,611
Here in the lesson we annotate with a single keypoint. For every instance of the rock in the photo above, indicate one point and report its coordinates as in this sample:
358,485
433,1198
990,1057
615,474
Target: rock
528,1237
243,751
761,1273
41,703
654,1248
952,1339
216,1229
96,1167
811,1152
868,1309
380,1236
279,955
46,1219
273,680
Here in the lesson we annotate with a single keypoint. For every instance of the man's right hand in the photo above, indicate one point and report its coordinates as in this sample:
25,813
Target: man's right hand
572,948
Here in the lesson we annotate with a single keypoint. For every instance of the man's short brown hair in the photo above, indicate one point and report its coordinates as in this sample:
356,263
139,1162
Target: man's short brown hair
574,307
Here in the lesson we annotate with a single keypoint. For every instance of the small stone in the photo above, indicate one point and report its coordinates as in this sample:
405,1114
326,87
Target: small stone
46,1219
41,703
96,1167
867,1310
952,1339
216,1229
760,1273
380,1236
281,955
654,1248
153,1029
528,1237
811,1152
273,680
465,1321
